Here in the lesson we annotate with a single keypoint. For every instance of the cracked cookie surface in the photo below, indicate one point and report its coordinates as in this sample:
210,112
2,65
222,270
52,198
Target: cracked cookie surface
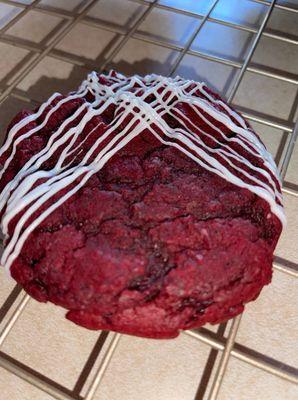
151,244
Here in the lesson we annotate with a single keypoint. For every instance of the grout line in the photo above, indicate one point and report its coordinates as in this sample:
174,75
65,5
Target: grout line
7,304
102,367
17,42
143,2
288,38
207,373
67,57
207,338
210,364
288,77
68,25
280,6
268,74
14,317
105,25
35,379
283,125
222,367
251,52
192,38
13,21
128,35
283,7
97,23
289,152
93,356
284,38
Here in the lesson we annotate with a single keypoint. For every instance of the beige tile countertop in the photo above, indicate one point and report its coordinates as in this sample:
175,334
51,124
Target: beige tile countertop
50,45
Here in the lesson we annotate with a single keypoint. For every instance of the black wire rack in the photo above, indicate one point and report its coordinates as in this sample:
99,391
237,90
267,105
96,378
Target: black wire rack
226,347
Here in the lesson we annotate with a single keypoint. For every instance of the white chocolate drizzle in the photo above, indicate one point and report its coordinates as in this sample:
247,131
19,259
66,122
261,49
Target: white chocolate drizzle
134,114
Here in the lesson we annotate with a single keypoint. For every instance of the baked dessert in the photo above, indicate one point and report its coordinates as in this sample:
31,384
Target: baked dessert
141,205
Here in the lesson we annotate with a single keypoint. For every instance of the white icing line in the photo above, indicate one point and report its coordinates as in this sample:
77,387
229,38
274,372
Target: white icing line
234,155
25,121
32,186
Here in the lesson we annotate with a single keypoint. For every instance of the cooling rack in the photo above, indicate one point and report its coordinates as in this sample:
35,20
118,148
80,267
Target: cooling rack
224,346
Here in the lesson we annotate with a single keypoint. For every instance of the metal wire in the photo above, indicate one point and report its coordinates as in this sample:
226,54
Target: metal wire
192,39
38,53
37,381
250,53
289,152
14,317
102,367
287,77
19,16
267,364
67,26
224,359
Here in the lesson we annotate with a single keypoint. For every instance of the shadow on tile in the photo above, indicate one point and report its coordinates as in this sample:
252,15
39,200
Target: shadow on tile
9,301
12,59
143,67
31,372
121,14
290,185
45,86
39,92
26,42
148,66
36,27
210,363
267,359
88,45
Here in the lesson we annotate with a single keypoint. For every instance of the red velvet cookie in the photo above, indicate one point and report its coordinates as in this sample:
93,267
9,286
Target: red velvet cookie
141,205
